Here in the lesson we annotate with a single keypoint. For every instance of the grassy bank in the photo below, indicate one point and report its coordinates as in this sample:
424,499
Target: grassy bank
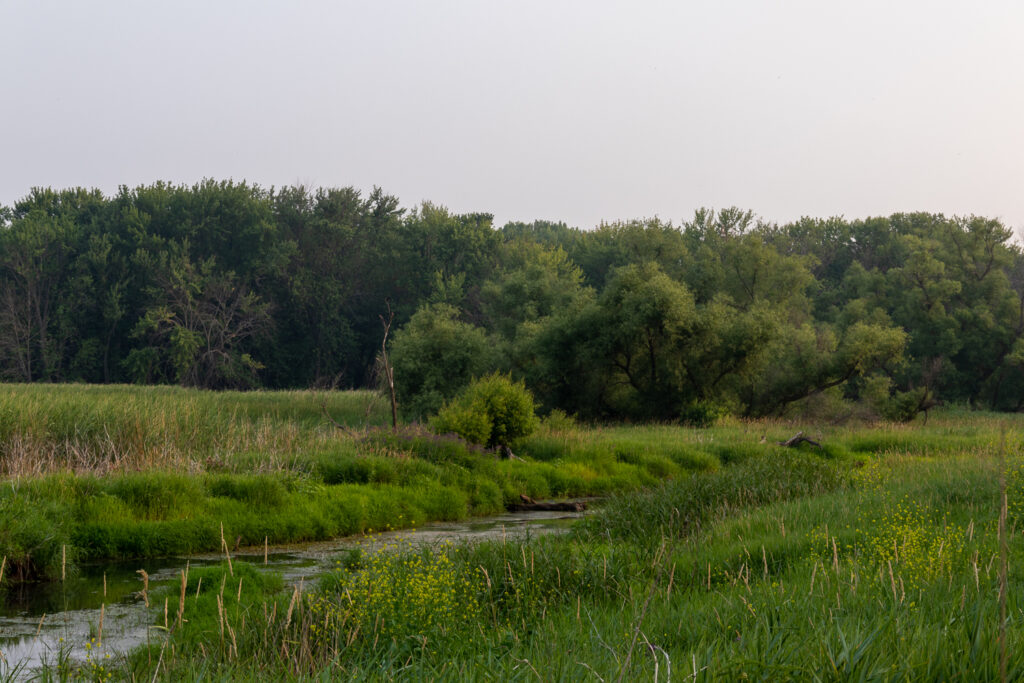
719,555
129,472
777,566
97,473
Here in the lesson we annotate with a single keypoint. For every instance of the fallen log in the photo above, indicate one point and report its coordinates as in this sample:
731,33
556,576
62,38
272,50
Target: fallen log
796,440
530,505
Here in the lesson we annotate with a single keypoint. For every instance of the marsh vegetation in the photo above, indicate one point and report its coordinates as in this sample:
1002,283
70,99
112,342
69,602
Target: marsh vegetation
717,554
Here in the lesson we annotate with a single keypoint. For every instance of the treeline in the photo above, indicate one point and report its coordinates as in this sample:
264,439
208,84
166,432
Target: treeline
229,285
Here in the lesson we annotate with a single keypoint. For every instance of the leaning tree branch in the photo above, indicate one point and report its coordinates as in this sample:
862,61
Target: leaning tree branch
798,439
323,409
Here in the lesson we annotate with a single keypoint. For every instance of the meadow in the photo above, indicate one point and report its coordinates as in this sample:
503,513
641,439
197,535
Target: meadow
120,472
715,555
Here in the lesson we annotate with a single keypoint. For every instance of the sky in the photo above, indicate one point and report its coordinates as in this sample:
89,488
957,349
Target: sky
579,112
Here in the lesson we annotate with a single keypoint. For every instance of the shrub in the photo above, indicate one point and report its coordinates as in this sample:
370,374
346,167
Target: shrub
701,414
558,421
468,421
34,537
493,411
897,406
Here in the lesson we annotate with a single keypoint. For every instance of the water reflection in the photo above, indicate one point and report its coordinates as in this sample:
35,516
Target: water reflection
46,623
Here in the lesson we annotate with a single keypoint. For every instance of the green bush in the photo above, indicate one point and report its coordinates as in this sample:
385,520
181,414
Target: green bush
897,406
34,537
468,421
493,411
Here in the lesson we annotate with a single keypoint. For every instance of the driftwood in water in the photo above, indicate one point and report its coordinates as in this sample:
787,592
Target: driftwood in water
798,439
530,505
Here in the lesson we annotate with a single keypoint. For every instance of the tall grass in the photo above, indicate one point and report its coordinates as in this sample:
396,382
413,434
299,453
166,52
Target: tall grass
88,428
795,584
121,472
720,556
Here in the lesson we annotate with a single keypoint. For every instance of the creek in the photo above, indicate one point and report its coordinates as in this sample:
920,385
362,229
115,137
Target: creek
44,624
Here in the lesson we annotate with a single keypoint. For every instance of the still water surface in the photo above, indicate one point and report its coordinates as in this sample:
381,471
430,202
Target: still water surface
41,622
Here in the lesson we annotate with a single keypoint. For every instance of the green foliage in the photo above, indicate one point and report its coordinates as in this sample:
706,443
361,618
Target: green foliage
471,422
34,537
229,285
701,413
492,411
197,327
557,421
684,508
899,554
535,282
901,406
434,356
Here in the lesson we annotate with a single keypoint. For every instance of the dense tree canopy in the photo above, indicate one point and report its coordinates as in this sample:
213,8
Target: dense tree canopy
225,284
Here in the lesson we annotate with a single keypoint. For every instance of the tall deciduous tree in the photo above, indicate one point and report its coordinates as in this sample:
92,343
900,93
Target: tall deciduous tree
197,332
434,356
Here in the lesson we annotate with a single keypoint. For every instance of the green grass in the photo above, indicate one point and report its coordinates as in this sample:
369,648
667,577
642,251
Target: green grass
129,472
46,428
825,570
718,554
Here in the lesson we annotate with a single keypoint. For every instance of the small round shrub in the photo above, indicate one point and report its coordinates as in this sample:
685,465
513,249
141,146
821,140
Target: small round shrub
468,421
492,411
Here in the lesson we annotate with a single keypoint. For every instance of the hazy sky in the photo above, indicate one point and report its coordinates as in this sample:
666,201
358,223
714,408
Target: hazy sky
574,111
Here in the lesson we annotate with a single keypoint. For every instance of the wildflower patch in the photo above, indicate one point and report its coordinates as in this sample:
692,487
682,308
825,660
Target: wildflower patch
399,592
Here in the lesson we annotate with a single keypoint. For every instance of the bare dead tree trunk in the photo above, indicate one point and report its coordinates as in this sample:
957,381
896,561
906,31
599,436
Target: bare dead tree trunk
389,372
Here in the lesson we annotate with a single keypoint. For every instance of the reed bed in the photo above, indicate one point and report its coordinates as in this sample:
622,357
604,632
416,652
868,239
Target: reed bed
889,554
825,576
107,429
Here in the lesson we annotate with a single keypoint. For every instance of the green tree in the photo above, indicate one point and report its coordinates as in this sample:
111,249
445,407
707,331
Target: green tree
614,245
35,250
434,356
493,411
533,282
448,247
805,361
195,334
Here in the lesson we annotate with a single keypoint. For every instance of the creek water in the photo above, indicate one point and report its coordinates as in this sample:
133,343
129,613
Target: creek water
40,624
